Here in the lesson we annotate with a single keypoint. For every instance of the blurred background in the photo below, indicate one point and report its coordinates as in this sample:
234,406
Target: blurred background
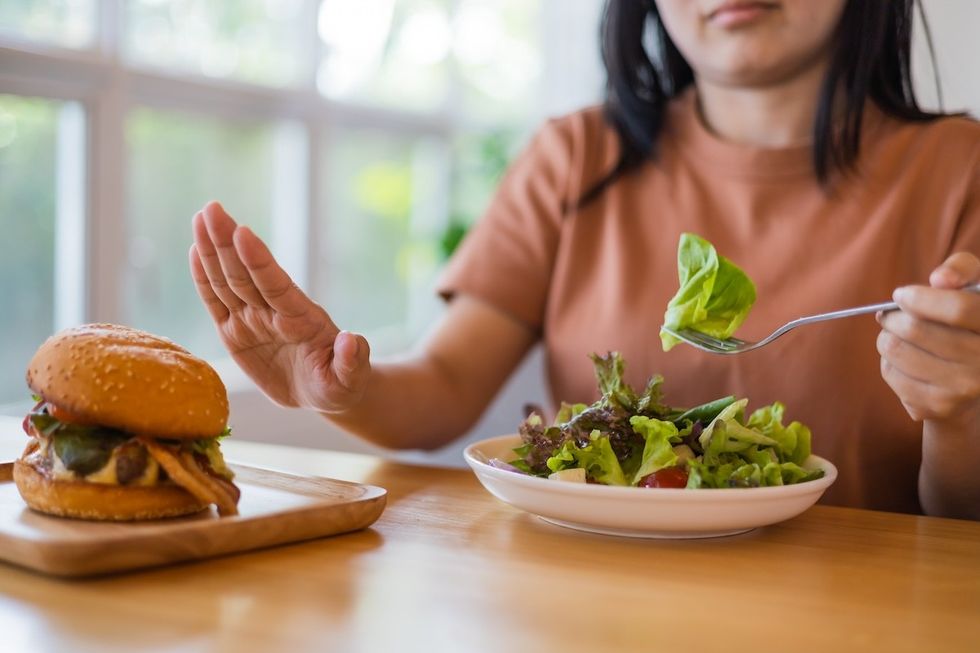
360,138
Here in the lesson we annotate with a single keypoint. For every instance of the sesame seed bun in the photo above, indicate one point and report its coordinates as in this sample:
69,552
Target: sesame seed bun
130,380
83,500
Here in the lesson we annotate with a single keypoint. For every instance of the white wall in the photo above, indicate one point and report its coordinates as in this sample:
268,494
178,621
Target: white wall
954,25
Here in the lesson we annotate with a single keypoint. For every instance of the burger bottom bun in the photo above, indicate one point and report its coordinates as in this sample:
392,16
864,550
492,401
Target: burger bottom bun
98,501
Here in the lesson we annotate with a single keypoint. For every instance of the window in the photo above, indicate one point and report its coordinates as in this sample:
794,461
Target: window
66,23
249,40
176,163
360,139
28,163
386,52
388,190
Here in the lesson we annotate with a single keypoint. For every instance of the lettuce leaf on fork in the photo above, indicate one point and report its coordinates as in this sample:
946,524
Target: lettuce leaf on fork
714,295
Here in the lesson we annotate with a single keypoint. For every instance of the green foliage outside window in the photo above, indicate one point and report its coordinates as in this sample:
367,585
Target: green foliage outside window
28,136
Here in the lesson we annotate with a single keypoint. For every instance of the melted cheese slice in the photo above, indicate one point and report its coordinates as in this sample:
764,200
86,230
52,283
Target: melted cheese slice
106,475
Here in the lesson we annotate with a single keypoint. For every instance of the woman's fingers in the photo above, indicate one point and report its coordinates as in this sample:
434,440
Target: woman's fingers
217,309
955,308
268,277
930,350
958,270
221,229
922,400
944,342
944,302
208,256
956,377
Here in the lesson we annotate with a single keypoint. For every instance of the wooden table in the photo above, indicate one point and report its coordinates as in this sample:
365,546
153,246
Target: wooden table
449,568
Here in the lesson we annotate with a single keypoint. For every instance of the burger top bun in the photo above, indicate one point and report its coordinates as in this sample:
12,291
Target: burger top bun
131,380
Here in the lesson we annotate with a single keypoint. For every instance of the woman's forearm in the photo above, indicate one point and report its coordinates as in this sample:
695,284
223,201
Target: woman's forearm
412,404
427,400
949,478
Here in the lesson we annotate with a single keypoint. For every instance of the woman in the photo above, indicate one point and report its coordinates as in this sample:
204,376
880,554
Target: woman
784,132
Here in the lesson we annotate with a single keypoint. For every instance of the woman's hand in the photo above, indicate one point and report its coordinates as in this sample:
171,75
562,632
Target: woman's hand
930,350
930,356
282,339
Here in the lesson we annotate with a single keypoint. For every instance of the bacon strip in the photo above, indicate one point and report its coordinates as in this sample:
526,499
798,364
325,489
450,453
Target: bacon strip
226,502
184,471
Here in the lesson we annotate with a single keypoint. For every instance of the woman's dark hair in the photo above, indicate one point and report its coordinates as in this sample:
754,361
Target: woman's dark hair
870,60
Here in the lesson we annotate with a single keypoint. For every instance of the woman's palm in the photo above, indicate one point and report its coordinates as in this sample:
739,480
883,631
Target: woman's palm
282,339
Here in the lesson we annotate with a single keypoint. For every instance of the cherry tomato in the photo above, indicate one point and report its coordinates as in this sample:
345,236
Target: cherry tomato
666,477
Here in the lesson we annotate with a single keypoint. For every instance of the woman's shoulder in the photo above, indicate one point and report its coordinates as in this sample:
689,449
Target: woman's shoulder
584,140
954,139
587,122
583,131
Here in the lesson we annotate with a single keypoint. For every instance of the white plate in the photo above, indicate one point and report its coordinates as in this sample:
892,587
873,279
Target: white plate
643,512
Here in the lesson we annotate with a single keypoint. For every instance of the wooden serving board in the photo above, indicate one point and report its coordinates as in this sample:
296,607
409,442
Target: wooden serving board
275,508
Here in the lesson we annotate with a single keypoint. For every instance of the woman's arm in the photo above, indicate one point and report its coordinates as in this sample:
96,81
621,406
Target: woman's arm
930,356
298,357
436,394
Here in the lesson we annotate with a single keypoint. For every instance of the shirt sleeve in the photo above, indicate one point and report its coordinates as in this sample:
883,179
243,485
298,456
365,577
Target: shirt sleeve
967,235
507,257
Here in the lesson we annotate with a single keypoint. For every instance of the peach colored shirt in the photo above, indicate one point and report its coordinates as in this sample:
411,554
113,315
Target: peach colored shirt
599,278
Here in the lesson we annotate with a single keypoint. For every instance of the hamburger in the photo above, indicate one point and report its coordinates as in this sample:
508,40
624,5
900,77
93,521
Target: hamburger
126,427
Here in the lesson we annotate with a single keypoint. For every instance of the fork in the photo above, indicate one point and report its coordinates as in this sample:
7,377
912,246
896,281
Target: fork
713,345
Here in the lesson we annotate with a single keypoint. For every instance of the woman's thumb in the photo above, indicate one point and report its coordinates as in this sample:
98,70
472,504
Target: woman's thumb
351,356
958,270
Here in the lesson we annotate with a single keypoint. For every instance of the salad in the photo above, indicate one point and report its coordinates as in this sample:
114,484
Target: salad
714,297
634,439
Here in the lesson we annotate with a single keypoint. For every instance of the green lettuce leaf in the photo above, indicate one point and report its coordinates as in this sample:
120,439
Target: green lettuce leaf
714,295
568,411
658,452
596,458
793,441
210,448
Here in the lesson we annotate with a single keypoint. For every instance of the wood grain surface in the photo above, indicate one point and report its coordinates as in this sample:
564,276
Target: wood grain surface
449,568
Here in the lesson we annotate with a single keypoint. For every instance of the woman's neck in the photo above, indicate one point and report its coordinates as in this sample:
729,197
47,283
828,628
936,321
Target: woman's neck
776,115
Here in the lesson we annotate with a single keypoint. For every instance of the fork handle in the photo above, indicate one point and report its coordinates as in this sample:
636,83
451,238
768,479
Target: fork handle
870,308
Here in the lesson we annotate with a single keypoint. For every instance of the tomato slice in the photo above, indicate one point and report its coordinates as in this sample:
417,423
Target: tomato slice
68,417
674,477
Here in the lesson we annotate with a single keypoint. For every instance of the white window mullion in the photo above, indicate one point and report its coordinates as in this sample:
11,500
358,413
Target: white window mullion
315,153
70,244
110,21
315,207
291,200
107,245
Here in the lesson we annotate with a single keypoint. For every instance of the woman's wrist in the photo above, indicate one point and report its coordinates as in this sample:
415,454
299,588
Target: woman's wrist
948,483
963,423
